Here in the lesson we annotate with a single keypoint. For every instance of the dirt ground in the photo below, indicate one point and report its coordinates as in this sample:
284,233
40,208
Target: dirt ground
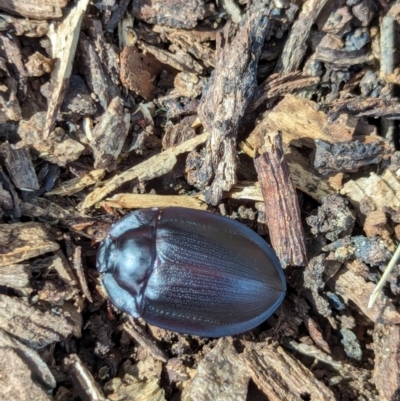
280,114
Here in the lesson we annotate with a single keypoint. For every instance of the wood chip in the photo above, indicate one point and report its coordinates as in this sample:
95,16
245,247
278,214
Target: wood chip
222,376
282,377
357,290
64,40
386,364
296,46
154,167
15,276
45,326
82,379
75,185
281,204
173,13
47,9
380,191
301,124
109,135
20,167
22,241
24,375
137,201
227,96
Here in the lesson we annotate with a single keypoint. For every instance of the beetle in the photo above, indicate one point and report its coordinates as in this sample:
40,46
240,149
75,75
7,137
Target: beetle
190,271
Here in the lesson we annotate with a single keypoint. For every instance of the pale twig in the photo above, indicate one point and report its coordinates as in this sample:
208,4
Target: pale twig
384,278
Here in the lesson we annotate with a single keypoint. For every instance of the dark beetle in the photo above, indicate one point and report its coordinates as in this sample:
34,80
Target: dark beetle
190,271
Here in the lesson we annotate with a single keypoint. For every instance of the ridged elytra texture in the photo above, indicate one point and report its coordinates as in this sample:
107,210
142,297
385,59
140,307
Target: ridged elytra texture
190,271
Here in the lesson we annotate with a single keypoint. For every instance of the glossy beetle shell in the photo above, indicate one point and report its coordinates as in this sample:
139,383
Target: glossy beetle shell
190,271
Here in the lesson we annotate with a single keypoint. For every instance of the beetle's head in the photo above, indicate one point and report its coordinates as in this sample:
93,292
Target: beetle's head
126,263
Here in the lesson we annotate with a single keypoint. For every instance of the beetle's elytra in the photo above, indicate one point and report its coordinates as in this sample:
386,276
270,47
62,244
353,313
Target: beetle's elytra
190,271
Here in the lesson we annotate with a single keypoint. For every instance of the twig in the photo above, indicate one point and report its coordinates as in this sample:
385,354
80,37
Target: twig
384,278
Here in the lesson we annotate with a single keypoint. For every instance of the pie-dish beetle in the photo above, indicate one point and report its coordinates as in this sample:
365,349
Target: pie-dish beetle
190,271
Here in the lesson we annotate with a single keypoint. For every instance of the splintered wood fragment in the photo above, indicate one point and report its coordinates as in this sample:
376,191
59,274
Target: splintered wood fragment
172,13
366,107
46,9
140,336
22,241
75,185
343,57
386,373
281,204
64,39
222,376
153,167
245,190
296,46
278,85
24,374
229,92
46,210
301,124
282,377
355,289
376,223
20,167
77,265
109,135
139,201
379,191
45,325
180,61
15,276
84,383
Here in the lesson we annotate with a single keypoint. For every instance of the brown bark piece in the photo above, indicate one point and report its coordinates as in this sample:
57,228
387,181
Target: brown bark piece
173,13
189,85
221,376
386,367
376,224
343,57
316,334
227,96
22,241
45,326
355,289
281,203
64,41
282,377
349,156
180,60
139,71
58,148
109,135
366,107
334,219
24,375
296,46
279,85
20,167
301,124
